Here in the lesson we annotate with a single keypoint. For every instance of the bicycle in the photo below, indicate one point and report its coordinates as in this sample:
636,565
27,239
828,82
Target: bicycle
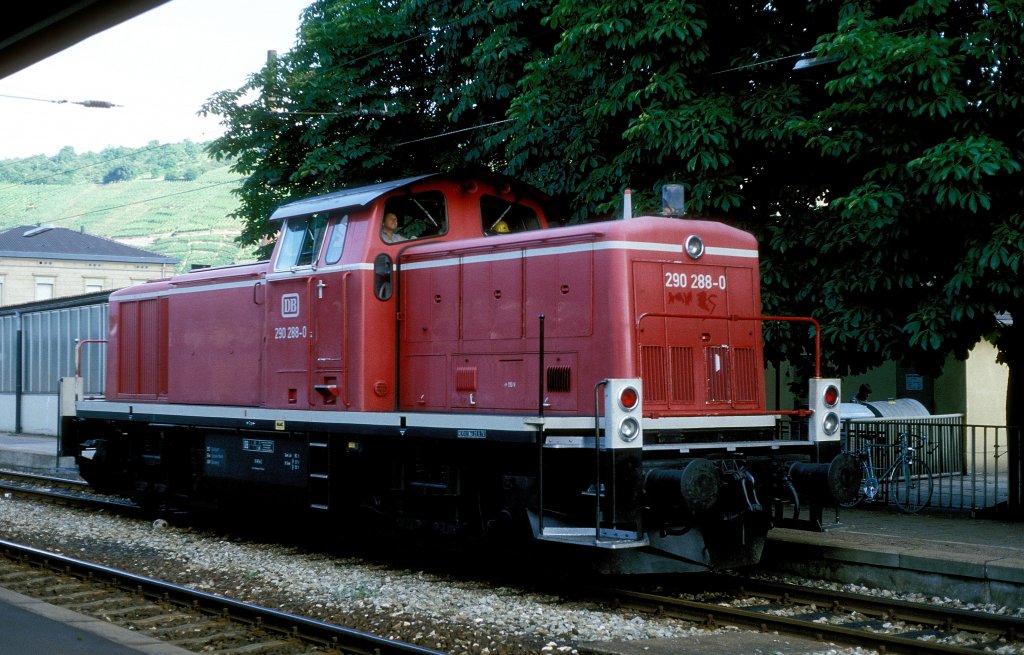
909,476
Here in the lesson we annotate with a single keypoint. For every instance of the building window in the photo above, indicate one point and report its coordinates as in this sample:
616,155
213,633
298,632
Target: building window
93,284
44,288
1,291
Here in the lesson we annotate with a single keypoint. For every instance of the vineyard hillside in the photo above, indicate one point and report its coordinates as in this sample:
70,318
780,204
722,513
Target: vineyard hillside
188,219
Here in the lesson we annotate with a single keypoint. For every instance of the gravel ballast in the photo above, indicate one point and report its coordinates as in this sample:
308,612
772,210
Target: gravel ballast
451,614
454,615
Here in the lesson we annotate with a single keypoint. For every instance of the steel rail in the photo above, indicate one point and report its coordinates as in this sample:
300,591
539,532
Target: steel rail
712,615
312,630
945,618
80,498
38,477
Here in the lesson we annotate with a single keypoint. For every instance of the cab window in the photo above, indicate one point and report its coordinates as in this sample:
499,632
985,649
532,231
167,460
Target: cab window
419,216
300,241
336,242
499,216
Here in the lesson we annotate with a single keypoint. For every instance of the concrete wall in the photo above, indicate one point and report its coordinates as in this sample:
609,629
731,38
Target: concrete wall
975,388
38,413
6,412
986,386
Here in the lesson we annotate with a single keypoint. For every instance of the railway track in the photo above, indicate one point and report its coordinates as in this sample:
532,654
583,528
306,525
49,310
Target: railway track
886,625
193,620
58,489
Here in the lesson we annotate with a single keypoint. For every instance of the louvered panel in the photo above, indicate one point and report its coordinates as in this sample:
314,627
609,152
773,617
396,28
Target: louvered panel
681,359
142,356
652,363
744,378
128,355
149,352
465,378
716,367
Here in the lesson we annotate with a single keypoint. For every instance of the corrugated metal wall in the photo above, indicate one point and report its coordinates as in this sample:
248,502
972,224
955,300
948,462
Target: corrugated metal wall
8,352
49,339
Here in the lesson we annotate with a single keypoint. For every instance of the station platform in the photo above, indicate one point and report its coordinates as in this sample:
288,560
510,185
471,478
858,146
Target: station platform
974,560
33,452
947,555
32,627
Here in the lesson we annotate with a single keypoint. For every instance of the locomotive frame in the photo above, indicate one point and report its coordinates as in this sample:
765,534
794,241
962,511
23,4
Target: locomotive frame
599,386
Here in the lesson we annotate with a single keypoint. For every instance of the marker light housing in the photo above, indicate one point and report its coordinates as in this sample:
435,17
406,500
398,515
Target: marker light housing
824,397
623,419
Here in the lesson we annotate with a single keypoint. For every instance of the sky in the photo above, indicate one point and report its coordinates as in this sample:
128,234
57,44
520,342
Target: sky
160,66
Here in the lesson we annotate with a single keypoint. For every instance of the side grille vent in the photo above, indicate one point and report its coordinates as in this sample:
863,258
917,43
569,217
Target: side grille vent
465,378
559,378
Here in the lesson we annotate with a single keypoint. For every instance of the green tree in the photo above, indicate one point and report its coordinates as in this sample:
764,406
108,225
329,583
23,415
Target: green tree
122,173
918,253
374,91
920,116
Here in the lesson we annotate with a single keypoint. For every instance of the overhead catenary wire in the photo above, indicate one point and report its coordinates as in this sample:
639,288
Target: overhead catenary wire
96,104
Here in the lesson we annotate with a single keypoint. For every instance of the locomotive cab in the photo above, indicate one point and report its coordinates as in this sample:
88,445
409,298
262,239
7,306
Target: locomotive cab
331,301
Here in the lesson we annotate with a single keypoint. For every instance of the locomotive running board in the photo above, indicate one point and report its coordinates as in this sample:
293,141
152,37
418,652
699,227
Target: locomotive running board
580,536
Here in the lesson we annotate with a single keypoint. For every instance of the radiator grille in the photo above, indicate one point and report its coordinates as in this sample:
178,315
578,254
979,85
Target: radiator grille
682,374
745,376
653,373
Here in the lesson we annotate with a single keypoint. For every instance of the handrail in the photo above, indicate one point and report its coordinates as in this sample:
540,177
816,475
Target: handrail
78,353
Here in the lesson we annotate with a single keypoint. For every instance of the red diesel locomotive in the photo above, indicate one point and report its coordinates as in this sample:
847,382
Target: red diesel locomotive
476,372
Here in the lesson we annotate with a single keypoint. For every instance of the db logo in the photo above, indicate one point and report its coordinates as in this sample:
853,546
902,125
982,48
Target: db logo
289,305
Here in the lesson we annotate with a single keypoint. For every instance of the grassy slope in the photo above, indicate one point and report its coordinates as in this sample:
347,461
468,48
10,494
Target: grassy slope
185,220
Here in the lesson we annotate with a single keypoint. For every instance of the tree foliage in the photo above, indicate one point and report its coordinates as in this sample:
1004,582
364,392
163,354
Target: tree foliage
916,253
375,91
883,179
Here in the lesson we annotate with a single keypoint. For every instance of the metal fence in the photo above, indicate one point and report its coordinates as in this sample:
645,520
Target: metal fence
969,463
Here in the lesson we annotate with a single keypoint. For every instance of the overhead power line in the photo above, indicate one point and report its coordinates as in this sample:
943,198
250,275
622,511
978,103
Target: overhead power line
96,104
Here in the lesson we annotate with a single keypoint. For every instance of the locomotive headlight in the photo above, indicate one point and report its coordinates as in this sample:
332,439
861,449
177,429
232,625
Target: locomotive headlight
629,428
694,246
831,423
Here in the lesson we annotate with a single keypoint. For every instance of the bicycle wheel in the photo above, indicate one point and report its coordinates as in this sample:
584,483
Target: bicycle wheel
912,492
859,498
